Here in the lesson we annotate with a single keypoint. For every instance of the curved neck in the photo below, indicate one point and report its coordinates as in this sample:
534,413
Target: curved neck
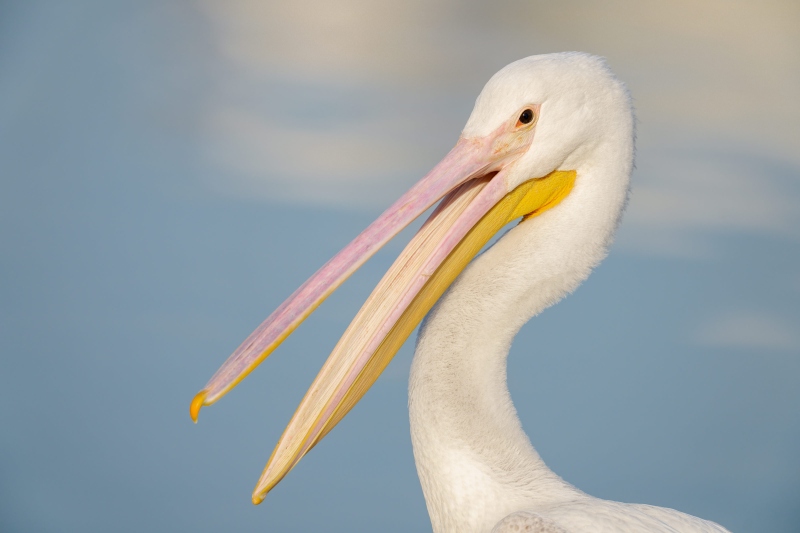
475,463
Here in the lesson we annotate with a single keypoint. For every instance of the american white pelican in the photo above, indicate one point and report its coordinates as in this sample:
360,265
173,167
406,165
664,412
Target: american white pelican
550,141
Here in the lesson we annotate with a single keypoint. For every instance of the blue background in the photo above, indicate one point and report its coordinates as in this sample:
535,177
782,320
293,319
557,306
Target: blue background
137,251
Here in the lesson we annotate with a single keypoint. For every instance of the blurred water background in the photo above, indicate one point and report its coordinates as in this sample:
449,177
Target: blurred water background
170,171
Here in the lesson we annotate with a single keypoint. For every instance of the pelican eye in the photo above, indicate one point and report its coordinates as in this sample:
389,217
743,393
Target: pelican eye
526,117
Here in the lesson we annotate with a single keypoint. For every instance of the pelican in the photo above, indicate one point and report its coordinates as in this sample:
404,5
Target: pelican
550,142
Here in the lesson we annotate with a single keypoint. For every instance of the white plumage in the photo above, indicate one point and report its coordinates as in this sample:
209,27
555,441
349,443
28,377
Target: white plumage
478,469
537,120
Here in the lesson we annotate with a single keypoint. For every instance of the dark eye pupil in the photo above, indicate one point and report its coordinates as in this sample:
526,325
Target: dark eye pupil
526,116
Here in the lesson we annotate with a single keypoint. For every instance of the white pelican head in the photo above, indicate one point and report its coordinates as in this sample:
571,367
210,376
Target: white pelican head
584,106
540,130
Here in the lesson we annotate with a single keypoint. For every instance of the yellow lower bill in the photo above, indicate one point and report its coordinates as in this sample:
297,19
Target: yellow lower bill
361,354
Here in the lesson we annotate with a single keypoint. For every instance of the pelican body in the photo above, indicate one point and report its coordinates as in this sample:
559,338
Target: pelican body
550,142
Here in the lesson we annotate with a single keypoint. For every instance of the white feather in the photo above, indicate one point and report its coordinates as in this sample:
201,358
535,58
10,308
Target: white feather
478,470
